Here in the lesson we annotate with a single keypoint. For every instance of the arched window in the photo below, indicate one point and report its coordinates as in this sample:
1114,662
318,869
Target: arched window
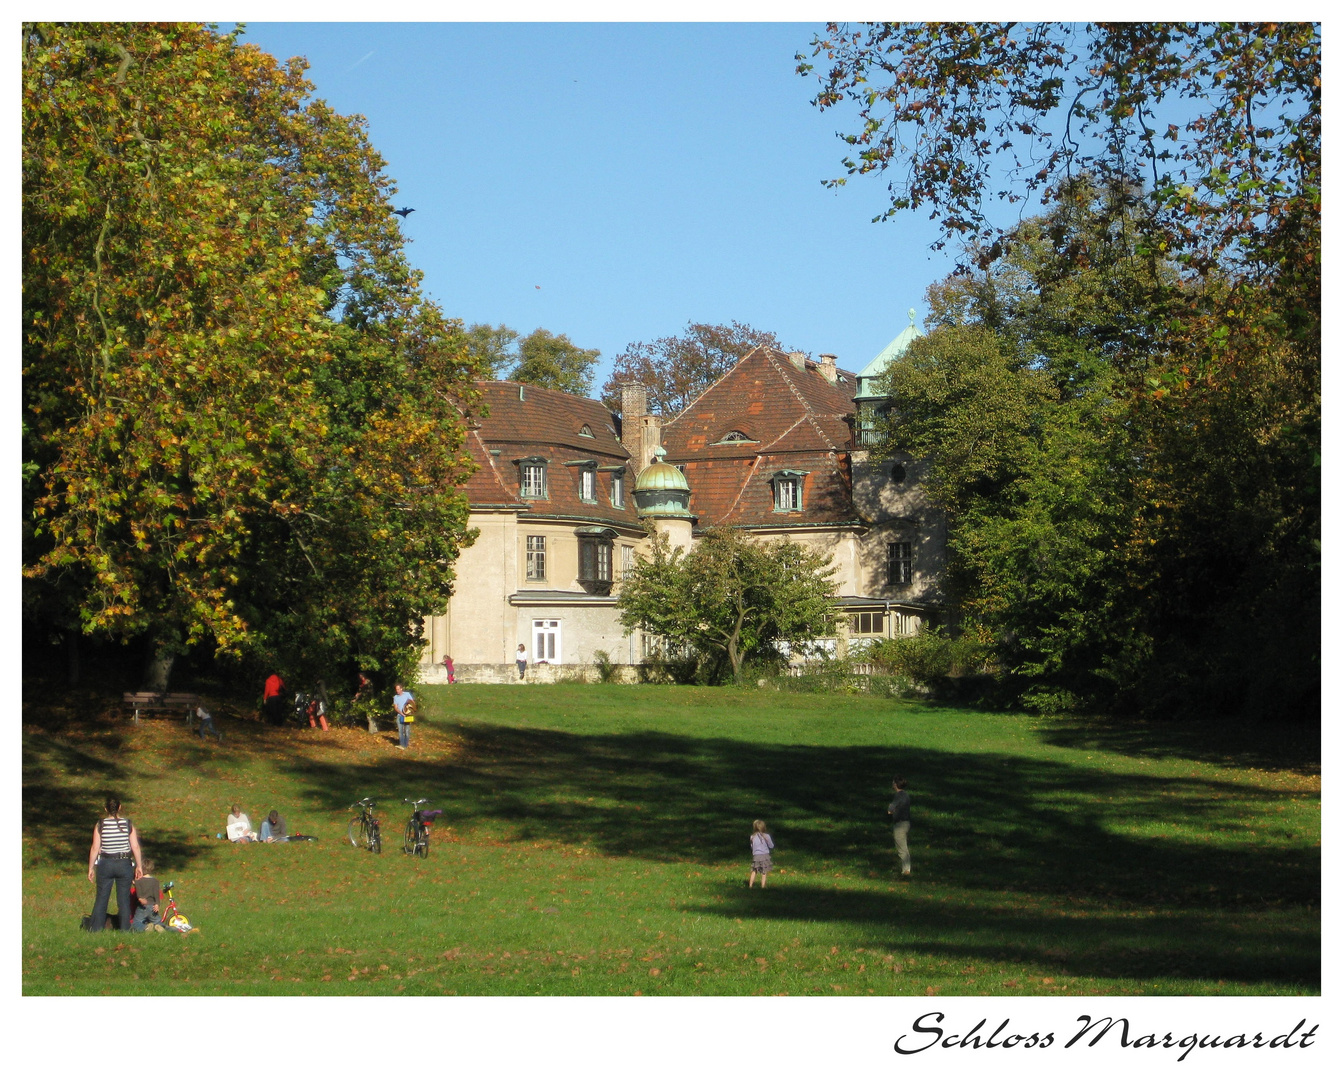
735,436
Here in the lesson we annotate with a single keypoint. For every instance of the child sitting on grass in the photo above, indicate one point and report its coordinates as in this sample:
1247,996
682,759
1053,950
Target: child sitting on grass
761,844
147,894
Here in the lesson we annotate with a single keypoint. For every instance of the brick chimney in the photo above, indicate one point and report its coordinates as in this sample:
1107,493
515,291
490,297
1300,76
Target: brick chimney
633,400
827,368
639,432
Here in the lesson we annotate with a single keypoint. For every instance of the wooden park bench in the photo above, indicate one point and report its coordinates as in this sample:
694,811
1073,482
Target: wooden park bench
150,703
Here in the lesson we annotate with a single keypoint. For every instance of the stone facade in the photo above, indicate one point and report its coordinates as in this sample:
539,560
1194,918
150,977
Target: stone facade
774,447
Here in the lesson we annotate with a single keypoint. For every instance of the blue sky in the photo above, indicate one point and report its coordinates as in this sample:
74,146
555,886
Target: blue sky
643,175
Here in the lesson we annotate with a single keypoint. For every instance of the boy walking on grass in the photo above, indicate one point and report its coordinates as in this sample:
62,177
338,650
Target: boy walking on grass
761,845
899,811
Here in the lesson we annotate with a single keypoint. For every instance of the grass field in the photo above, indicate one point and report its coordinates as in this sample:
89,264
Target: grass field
595,842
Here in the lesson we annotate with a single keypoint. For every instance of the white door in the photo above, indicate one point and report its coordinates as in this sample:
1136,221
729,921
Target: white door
546,640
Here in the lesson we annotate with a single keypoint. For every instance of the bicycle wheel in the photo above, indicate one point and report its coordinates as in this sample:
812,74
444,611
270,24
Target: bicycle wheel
422,843
375,840
408,844
358,836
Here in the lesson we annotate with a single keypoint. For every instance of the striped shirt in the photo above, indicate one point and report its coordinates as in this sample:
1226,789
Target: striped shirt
114,836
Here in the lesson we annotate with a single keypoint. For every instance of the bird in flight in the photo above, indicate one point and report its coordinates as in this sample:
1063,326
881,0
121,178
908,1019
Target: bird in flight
404,211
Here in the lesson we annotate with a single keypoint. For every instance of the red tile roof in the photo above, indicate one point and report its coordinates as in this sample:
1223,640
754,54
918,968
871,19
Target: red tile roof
796,419
528,421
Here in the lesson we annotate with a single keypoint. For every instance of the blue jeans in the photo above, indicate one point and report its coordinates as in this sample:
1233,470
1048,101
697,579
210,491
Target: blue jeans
208,727
109,872
402,731
266,834
144,917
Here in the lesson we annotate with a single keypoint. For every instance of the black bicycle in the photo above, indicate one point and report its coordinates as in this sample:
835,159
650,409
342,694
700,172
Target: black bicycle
365,830
417,829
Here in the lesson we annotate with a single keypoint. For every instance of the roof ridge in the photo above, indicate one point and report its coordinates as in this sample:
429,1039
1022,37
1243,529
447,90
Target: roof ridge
695,400
782,435
546,390
742,490
806,405
494,469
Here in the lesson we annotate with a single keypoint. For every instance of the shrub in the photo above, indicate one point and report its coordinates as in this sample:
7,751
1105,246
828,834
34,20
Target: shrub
607,670
928,657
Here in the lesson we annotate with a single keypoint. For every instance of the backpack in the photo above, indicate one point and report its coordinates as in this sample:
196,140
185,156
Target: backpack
408,711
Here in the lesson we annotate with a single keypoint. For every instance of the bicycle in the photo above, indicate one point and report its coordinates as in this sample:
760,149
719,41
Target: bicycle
416,841
365,830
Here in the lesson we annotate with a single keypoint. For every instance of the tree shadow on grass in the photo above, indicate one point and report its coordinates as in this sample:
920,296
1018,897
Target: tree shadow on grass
58,810
1107,945
981,820
1290,749
68,772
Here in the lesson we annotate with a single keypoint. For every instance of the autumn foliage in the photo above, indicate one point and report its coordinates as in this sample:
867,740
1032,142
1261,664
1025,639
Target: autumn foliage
243,422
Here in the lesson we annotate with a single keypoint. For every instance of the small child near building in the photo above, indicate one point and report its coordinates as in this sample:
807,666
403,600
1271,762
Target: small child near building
761,846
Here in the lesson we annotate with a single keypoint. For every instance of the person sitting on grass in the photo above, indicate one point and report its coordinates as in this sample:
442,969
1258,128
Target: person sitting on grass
147,894
273,830
761,844
240,826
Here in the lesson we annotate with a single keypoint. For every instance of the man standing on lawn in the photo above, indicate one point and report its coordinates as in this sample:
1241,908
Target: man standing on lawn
899,811
403,696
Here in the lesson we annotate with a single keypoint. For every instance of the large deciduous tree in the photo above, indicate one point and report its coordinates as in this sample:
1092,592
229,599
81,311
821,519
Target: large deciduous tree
1220,122
494,348
730,597
555,362
243,423
676,369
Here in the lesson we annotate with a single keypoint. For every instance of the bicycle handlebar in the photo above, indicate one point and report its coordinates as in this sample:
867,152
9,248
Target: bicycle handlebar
416,802
361,802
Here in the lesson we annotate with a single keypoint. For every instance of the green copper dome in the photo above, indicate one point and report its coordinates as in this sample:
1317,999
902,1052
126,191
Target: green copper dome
662,490
660,476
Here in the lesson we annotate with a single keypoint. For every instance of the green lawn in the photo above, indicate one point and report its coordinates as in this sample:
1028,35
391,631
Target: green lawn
595,842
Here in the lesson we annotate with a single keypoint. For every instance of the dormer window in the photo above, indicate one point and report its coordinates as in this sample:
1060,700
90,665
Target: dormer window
735,436
787,490
617,489
532,473
586,432
587,485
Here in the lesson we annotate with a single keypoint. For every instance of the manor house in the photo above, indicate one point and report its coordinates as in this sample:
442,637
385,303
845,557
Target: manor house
565,490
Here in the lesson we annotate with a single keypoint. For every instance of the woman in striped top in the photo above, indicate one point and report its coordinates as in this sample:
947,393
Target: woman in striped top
114,859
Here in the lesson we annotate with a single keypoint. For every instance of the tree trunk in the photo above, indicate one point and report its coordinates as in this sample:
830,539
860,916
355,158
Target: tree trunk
372,725
72,652
159,667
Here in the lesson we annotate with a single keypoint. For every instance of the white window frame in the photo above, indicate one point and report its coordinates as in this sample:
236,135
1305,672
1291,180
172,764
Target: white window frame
899,563
547,641
617,489
536,558
587,485
533,485
787,485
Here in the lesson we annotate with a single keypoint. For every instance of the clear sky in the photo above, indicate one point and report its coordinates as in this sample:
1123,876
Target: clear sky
642,175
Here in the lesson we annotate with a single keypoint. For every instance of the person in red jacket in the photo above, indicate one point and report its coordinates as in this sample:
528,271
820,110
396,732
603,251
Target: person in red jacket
272,699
